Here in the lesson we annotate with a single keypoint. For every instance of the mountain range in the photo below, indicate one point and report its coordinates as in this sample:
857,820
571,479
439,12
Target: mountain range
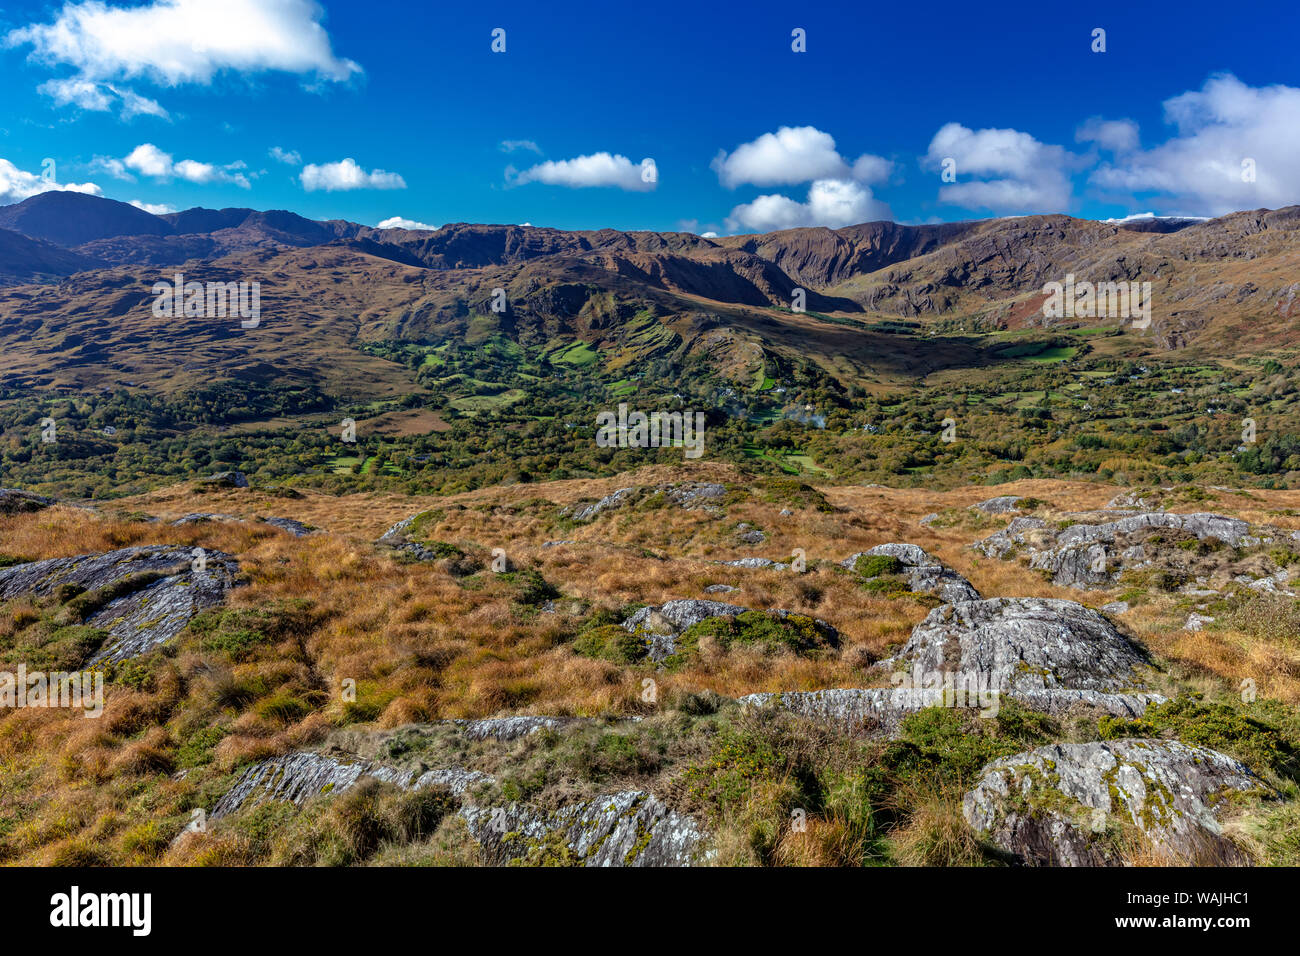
78,271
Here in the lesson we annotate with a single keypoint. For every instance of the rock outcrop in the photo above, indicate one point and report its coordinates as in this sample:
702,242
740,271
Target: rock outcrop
880,710
687,495
143,596
1058,805
13,502
295,777
661,625
923,573
1097,548
628,828
295,528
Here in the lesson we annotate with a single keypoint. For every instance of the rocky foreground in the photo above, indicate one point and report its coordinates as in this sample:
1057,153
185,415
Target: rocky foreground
1068,803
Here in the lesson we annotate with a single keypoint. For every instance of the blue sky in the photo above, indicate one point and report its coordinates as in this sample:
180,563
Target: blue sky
389,109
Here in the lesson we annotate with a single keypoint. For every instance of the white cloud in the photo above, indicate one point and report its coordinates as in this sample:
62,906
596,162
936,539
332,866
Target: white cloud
174,42
290,157
17,184
831,202
1217,128
793,155
1116,136
346,175
510,145
598,169
1002,170
397,222
156,208
148,160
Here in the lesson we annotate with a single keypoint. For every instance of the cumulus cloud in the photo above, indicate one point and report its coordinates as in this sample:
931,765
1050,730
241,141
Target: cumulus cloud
148,160
1001,170
1116,136
831,202
793,155
397,222
101,97
290,157
175,42
18,184
157,208
346,175
598,169
1234,147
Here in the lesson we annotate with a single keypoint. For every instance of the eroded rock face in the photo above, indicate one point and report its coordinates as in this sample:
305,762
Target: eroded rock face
661,625
150,593
296,777
510,728
14,501
880,710
1056,805
1096,549
924,573
629,828
228,479
1017,644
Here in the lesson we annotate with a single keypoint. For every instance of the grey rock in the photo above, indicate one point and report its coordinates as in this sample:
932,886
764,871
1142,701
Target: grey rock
298,776
719,589
924,573
1197,622
13,502
1115,607
510,728
1050,806
628,828
1095,553
662,624
1016,644
755,563
688,495
201,517
1000,505
880,710
614,500
228,479
158,591
295,528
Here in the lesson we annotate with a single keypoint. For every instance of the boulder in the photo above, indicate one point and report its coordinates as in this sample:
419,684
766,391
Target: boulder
628,828
687,495
1015,644
924,573
1001,505
228,479
150,593
1058,805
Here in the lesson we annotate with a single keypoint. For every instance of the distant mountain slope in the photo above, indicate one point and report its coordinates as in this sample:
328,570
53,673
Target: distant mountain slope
70,219
24,260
